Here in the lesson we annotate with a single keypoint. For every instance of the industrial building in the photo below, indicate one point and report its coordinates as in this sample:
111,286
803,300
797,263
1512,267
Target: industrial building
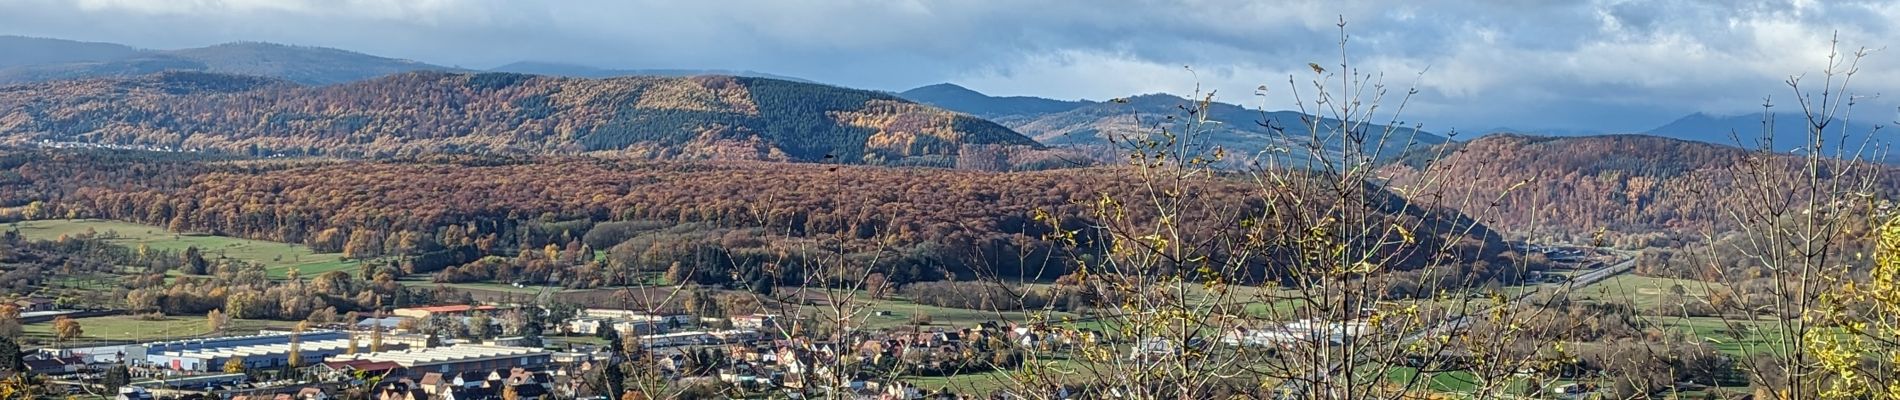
254,356
458,359
267,349
591,326
672,320
422,313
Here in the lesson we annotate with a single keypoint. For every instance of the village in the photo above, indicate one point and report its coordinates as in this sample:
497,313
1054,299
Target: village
399,357
509,351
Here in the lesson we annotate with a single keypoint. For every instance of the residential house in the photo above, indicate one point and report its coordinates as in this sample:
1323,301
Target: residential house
311,393
35,304
403,394
529,392
756,321
133,393
471,393
433,383
469,379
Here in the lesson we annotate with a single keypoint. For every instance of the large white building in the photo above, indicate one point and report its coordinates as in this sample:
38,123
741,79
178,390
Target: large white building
673,320
458,358
253,356
591,326
1301,332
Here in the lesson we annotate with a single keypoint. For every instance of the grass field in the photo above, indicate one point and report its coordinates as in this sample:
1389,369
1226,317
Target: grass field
1641,291
1737,337
423,281
983,383
277,257
898,311
120,328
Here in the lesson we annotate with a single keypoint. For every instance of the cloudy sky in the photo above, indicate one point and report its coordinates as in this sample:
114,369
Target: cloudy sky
1598,65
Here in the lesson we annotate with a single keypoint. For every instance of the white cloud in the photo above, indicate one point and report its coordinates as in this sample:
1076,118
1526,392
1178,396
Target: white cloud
1619,64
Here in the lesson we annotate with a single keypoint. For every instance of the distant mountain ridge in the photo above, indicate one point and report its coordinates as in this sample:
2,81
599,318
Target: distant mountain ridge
1236,130
992,107
62,60
31,60
702,117
582,71
1791,133
22,50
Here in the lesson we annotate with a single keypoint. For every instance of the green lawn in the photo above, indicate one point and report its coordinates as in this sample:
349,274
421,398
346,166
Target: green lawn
981,384
120,328
1444,382
1739,337
1641,291
279,258
899,311
423,281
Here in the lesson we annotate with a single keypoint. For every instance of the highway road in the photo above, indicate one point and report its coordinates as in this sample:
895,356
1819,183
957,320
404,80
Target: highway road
1627,263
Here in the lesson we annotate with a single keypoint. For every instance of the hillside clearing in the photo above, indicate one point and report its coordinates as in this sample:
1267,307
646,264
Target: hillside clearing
277,258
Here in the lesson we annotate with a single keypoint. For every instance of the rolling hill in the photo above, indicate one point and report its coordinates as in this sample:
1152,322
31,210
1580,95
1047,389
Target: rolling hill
1235,129
958,222
702,117
1790,133
21,50
582,71
1574,187
994,108
49,60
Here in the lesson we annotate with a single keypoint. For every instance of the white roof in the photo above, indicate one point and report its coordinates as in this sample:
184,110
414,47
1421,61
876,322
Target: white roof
677,335
411,358
260,350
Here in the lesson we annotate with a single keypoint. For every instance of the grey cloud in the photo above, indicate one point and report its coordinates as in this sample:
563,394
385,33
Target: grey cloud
1604,64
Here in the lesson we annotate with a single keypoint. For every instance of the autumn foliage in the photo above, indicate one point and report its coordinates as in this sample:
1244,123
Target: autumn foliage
705,117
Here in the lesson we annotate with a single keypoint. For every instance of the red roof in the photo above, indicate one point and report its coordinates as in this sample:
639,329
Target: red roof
455,308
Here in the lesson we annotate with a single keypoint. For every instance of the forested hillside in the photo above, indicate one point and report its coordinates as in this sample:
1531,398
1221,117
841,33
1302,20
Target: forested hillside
1572,187
1240,133
705,117
582,71
914,224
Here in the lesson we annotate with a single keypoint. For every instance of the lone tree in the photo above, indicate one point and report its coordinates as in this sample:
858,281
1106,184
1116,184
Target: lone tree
67,328
235,365
215,321
195,262
10,321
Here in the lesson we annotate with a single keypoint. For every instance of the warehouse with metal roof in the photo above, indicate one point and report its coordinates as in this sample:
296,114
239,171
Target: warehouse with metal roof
458,358
256,356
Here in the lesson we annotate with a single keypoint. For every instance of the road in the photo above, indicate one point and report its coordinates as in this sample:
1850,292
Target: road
1586,279
1627,262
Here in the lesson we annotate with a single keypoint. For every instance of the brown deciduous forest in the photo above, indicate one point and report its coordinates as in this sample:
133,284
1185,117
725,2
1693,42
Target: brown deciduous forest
442,215
1636,190
703,117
